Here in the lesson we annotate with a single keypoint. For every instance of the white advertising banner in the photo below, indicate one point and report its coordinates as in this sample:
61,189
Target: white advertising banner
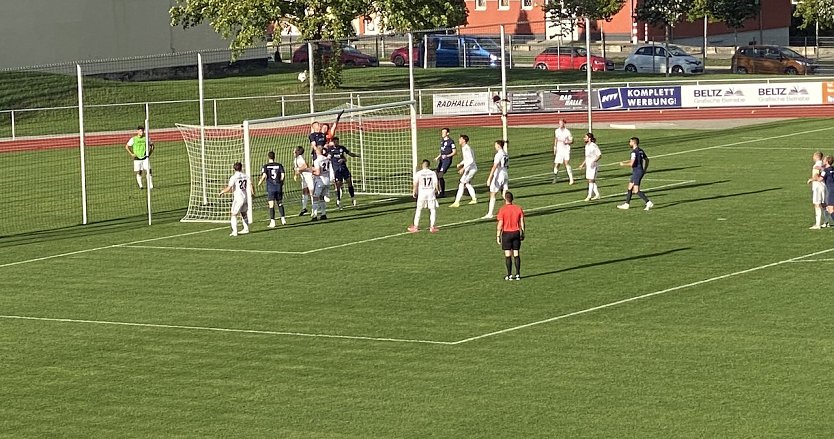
752,94
462,103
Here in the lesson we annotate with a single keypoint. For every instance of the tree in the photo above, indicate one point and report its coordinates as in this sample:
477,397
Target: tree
813,11
731,12
666,13
569,11
244,22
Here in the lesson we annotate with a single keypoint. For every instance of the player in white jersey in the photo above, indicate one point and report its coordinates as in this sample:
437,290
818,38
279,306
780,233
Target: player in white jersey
591,163
241,188
467,169
321,186
817,190
306,174
425,190
561,150
498,180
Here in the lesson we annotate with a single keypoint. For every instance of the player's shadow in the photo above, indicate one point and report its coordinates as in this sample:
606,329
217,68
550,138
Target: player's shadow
716,197
608,262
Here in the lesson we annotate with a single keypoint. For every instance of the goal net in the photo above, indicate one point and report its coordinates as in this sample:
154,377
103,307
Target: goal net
382,136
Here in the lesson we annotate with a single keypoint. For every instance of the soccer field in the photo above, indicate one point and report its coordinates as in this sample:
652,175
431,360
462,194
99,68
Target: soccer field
708,316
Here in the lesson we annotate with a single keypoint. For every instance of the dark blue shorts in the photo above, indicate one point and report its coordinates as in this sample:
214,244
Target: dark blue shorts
829,197
636,176
341,174
444,165
274,195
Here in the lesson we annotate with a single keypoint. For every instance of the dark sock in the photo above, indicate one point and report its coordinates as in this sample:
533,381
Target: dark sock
442,182
509,261
272,213
643,196
281,210
244,216
628,196
350,191
518,265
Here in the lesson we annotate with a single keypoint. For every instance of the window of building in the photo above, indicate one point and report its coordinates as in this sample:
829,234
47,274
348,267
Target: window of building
480,5
527,4
503,5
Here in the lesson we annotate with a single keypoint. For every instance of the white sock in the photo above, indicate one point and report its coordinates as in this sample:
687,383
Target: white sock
432,216
303,201
417,217
139,180
570,172
234,224
245,221
596,189
818,214
491,205
315,207
555,170
590,190
471,190
460,193
150,181
322,207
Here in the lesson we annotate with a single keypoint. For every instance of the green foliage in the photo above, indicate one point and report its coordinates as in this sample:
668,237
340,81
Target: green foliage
811,11
665,13
569,13
244,22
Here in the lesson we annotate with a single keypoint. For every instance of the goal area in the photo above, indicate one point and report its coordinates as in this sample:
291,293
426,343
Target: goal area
383,136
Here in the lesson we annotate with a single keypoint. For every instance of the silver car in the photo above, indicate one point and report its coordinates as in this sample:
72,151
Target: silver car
652,59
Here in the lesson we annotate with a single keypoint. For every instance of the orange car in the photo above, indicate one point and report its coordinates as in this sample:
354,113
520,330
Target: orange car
771,59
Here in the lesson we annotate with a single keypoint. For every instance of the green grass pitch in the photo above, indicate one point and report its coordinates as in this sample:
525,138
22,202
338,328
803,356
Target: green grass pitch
709,316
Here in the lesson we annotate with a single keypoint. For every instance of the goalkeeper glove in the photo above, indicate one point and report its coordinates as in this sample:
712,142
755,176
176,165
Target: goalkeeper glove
522,235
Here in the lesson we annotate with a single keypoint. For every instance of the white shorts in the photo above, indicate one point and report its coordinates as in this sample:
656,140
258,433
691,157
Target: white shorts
321,188
427,201
562,154
817,193
591,172
499,183
307,181
468,174
141,165
239,205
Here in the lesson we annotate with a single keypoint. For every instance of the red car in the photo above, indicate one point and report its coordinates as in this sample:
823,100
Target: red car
400,56
570,58
350,56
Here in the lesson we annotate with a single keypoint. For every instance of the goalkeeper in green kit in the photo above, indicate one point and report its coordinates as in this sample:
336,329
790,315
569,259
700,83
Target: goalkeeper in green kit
140,149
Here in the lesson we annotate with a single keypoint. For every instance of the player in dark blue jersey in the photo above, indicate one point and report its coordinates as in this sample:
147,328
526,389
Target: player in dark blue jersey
341,174
444,159
317,139
639,164
827,174
273,173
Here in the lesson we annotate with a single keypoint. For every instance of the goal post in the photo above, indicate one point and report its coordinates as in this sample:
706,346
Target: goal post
382,135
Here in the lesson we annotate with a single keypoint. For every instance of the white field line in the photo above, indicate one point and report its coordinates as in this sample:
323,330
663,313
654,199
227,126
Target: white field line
567,203
231,250
417,341
642,296
44,258
214,329
814,260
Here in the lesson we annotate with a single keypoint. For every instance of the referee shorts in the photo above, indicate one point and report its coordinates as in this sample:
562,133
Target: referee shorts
511,240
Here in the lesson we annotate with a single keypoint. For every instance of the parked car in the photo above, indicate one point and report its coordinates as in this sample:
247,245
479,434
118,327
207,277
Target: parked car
453,51
652,59
570,58
771,59
350,56
400,55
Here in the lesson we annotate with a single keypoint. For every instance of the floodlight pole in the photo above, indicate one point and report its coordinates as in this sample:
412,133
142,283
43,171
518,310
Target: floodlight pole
588,69
310,77
504,87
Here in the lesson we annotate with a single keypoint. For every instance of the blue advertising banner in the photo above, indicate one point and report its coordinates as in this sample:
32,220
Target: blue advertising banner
640,97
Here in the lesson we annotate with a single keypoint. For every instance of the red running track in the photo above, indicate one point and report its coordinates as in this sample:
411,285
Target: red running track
172,135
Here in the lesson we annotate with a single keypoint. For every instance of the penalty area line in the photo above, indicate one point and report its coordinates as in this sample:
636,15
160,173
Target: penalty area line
88,250
208,249
643,296
227,330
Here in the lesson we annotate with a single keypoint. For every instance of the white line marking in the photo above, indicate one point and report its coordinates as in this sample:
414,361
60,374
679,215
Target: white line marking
44,258
643,296
231,250
814,260
213,329
567,203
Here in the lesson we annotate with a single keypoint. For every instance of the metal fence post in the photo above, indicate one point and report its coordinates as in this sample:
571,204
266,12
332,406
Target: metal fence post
214,104
283,106
13,136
